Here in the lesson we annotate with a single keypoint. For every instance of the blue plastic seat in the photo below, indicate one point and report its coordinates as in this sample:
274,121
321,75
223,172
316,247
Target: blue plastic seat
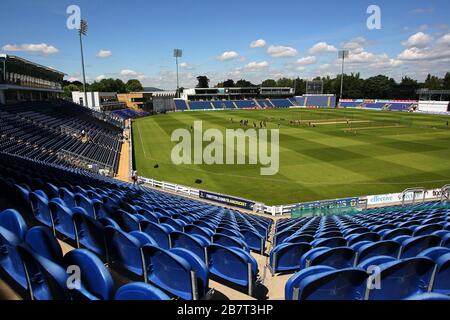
67,196
160,233
327,283
413,246
441,281
286,256
427,229
230,242
62,218
357,237
174,272
234,265
329,242
92,206
391,234
339,258
400,279
12,233
40,209
126,221
298,239
140,291
381,248
89,232
428,297
125,251
195,244
254,241
96,281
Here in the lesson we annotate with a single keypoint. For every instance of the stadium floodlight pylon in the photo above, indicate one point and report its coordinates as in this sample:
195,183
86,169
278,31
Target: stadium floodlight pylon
177,53
343,54
82,31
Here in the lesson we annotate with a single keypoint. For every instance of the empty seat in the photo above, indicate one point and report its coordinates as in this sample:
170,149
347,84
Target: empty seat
400,279
140,291
178,272
413,246
381,248
339,258
286,256
327,283
195,244
12,233
234,265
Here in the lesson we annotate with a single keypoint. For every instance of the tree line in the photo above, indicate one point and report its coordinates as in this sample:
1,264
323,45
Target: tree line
377,87
104,85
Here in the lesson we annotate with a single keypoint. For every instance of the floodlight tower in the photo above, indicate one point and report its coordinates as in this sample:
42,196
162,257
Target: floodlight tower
343,54
177,53
82,31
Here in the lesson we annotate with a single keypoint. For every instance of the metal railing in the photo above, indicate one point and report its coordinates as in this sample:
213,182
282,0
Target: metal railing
414,192
85,163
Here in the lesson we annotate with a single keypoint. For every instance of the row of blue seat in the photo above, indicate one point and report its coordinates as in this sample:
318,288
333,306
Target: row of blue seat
33,260
182,105
106,215
378,278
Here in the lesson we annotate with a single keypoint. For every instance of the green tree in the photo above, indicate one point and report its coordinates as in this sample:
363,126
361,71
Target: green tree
269,83
285,82
379,87
134,85
244,84
68,89
433,83
446,82
203,82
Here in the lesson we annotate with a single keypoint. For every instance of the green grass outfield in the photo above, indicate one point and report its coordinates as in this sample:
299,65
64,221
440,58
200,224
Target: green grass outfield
377,152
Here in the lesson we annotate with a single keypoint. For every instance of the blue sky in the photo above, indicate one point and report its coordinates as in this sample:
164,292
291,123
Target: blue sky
135,39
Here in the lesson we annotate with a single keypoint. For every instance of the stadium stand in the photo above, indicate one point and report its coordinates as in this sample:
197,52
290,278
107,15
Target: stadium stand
281,103
225,104
265,103
410,246
142,235
200,105
392,105
129,114
246,104
321,101
181,104
52,132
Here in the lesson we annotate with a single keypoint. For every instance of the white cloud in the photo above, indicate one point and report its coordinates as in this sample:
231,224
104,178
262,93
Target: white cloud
306,61
100,77
321,47
72,79
281,51
418,40
445,39
253,66
104,54
128,73
260,43
185,65
228,55
355,43
439,50
41,48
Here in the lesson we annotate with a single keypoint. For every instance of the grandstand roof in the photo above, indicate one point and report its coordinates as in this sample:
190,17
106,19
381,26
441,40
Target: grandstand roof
36,65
